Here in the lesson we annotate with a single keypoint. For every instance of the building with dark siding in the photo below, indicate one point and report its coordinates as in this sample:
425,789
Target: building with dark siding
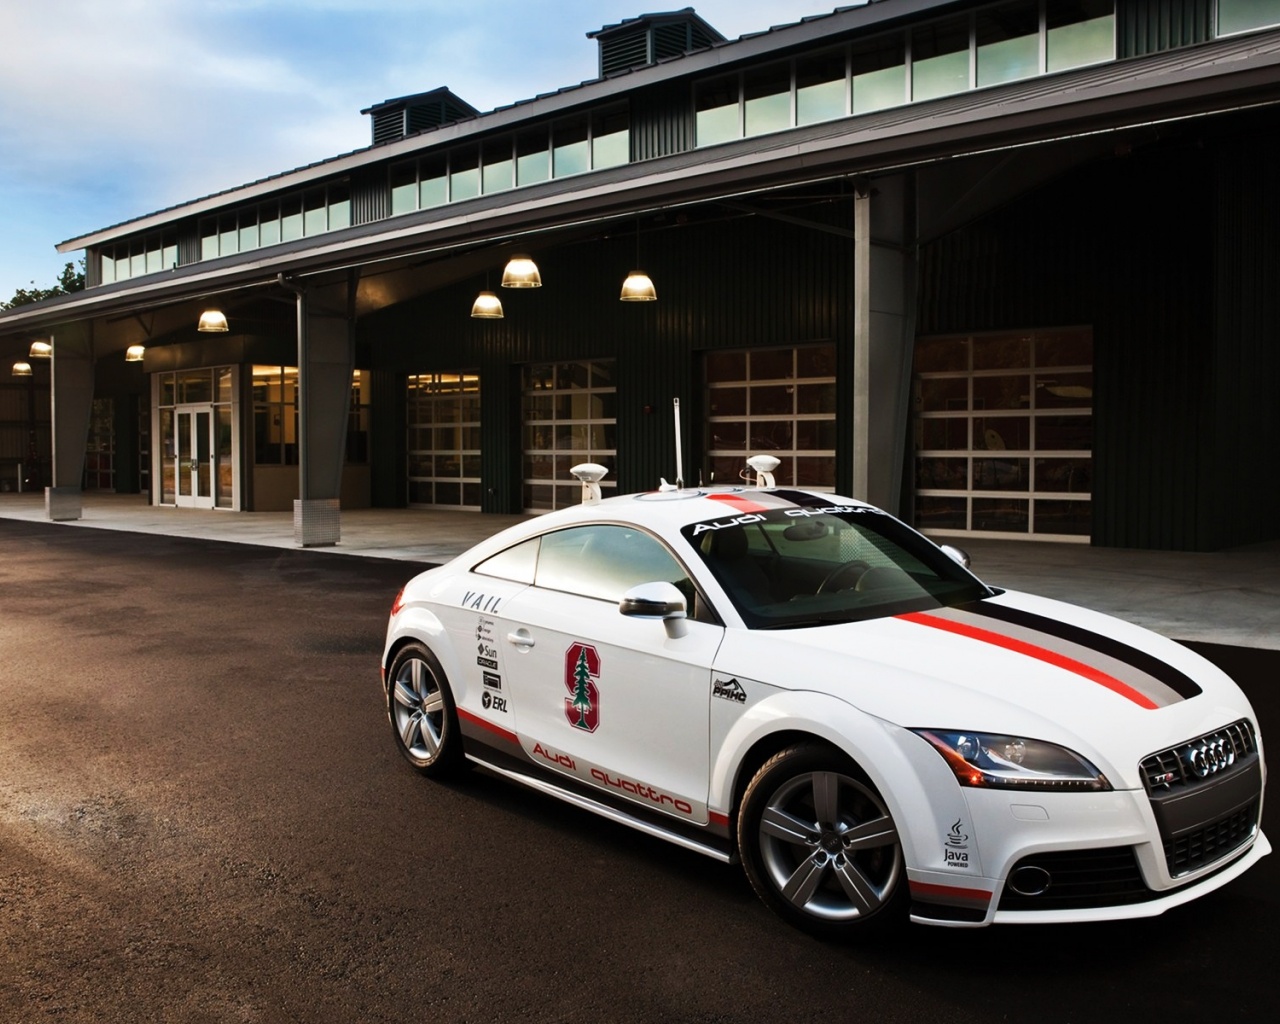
1007,269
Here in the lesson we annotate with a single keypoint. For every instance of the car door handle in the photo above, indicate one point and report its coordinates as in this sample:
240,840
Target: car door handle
520,638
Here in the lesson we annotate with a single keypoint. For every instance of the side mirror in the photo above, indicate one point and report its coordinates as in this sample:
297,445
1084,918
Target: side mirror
657,601
956,554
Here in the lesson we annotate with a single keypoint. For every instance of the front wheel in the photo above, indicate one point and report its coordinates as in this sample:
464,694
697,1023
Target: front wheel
819,844
422,712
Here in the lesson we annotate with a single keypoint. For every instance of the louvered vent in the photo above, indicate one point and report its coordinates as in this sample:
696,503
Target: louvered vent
388,125
637,42
671,40
623,52
394,119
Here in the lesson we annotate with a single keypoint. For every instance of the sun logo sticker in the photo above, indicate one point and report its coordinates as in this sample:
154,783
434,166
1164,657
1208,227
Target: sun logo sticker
581,669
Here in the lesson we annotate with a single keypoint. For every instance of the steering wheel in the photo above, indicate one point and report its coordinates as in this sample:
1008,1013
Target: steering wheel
842,577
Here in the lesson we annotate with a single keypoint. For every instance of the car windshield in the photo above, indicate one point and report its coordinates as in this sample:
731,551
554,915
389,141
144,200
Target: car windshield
795,567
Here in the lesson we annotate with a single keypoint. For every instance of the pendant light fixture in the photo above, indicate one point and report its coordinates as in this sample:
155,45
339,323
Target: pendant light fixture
637,287
521,272
213,321
22,369
134,353
40,350
487,305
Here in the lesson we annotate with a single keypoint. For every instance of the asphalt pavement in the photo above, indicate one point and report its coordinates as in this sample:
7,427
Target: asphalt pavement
203,818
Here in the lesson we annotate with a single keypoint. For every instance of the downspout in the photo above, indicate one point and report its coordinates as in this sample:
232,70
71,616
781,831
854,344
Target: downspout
304,475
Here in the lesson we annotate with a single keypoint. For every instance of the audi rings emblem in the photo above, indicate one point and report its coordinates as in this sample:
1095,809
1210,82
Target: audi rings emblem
1209,756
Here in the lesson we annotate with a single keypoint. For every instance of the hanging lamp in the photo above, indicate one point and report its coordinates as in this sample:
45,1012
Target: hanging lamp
487,307
213,321
638,287
521,272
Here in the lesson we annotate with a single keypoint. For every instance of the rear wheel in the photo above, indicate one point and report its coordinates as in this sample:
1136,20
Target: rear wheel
423,716
819,845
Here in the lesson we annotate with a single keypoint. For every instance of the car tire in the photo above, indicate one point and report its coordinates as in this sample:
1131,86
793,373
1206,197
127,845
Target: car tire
819,845
423,716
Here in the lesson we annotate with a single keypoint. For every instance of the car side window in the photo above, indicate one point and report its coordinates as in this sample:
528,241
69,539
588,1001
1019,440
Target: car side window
516,563
605,562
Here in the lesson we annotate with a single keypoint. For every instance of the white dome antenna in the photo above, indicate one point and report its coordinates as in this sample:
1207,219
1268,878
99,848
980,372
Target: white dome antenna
590,473
764,465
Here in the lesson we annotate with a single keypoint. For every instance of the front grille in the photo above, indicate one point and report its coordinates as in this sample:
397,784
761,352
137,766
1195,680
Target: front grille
1205,794
1106,877
1171,769
1211,842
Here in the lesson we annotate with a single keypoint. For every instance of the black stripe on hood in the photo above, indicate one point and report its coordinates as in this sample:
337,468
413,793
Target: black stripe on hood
1176,680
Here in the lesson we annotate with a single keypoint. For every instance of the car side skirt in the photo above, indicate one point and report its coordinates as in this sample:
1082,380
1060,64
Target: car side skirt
718,851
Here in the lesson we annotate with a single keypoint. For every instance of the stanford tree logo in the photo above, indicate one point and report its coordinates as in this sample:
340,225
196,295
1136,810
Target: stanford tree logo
582,706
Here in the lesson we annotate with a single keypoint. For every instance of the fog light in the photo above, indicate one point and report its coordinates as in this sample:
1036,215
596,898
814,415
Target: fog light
1030,880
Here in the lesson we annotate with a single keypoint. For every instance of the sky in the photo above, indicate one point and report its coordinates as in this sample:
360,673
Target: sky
112,109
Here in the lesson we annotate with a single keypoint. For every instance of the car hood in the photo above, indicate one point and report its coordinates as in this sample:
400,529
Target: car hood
1011,664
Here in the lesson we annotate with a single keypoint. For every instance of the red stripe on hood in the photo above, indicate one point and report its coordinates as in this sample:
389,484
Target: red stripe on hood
986,636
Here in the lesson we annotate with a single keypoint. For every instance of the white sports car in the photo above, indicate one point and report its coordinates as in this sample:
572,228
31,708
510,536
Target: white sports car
800,681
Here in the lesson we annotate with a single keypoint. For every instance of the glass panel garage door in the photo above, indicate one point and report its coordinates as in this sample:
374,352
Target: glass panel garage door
569,412
780,402
1004,434
443,416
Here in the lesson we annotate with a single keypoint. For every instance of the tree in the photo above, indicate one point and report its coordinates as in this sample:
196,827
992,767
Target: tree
582,690
69,281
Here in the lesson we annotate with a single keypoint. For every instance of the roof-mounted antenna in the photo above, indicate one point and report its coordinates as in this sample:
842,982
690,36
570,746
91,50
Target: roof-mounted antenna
764,465
679,484
590,473
675,405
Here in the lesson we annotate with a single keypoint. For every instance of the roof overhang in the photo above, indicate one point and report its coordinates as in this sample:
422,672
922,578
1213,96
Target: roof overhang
1217,78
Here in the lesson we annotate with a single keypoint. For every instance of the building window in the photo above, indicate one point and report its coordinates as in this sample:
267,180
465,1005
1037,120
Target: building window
444,440
1008,42
766,99
779,402
1079,32
275,415
940,59
1003,434
1004,42
148,254
1245,15
313,212
821,87
569,416
358,419
100,452
716,115
570,146
879,73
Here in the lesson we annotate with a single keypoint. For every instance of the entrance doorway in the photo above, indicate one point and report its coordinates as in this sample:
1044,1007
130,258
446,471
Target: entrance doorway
194,469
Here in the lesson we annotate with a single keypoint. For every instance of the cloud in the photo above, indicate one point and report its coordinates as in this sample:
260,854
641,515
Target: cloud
109,111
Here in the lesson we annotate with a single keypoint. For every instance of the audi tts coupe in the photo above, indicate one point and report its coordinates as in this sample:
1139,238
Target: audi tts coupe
800,682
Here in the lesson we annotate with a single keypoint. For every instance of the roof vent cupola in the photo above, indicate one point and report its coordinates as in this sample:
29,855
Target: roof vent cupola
408,115
650,38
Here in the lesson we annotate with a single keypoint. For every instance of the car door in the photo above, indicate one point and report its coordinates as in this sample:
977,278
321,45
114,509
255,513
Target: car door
609,699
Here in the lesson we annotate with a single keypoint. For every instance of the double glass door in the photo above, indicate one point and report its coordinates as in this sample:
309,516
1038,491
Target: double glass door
194,470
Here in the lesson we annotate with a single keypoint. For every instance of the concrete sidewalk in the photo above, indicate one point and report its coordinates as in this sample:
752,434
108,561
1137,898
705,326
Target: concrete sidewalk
1226,597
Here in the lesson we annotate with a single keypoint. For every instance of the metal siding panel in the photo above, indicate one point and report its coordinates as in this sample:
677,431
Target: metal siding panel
661,122
1246,221
370,196
735,284
1149,26
1104,248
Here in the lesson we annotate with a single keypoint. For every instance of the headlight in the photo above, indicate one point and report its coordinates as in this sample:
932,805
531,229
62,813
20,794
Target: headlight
1011,762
